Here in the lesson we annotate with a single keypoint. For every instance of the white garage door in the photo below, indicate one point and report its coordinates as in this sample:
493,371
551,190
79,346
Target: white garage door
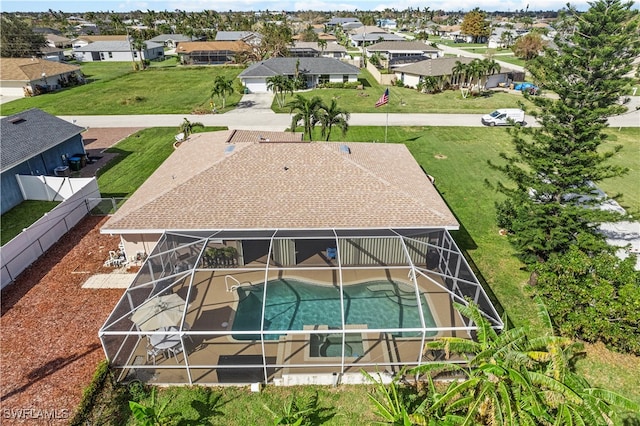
256,85
12,92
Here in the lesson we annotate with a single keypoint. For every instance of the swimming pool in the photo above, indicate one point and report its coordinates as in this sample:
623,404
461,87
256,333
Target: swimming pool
292,304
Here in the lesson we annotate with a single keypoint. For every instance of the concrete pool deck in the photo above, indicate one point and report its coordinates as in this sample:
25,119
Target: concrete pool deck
212,309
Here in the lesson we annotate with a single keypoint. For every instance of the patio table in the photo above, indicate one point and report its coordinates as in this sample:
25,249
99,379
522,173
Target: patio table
165,341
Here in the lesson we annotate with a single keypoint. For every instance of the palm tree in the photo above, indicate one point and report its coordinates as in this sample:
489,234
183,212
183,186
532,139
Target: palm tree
458,72
332,115
322,44
307,113
475,71
490,67
187,127
222,87
512,380
137,45
280,85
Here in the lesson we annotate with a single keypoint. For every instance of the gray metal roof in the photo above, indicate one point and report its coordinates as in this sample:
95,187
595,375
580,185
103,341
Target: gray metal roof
113,46
29,133
287,66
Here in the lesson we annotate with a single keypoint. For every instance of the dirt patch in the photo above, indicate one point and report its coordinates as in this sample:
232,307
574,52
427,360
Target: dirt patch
440,157
49,339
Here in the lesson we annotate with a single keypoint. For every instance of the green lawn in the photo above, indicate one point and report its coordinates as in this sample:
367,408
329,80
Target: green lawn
22,216
405,100
117,90
511,60
165,88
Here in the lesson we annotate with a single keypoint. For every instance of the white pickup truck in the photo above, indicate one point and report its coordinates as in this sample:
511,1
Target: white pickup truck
504,117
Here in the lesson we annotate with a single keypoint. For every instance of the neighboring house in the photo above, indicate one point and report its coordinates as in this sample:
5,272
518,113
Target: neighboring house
285,262
345,23
311,49
450,32
118,51
171,40
52,54
396,52
85,40
250,37
315,70
367,35
440,68
55,40
30,76
46,31
388,24
34,143
210,52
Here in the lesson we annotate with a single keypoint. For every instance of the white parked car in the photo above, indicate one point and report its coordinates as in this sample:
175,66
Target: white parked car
504,117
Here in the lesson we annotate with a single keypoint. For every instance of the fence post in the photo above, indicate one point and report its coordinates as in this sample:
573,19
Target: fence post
113,203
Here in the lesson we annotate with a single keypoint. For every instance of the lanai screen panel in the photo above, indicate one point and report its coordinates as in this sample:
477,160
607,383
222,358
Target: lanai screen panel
285,307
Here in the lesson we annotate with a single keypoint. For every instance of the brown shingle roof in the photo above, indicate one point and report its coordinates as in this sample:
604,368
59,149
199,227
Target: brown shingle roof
28,69
214,46
209,184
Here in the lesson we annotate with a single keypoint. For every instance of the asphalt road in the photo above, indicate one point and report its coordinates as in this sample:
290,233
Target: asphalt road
254,113
260,120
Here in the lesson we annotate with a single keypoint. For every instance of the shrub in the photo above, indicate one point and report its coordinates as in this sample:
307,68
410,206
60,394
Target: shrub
593,297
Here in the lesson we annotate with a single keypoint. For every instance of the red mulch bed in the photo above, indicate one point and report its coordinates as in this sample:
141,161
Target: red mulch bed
49,339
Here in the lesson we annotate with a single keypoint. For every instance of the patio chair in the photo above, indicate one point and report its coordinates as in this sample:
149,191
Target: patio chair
152,353
175,351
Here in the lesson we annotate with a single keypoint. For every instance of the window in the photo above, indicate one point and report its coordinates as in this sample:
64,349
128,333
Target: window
110,55
324,78
135,54
101,56
345,78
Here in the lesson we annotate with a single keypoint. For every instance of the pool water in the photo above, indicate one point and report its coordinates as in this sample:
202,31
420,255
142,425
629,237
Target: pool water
292,304
330,345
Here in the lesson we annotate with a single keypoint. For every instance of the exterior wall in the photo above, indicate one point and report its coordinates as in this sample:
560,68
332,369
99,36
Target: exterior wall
408,79
139,243
11,194
384,79
155,53
41,164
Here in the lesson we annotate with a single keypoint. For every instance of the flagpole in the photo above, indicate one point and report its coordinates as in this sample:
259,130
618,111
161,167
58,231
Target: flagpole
386,126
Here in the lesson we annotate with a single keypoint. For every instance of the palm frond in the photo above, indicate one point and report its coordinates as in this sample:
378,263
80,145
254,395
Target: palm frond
613,398
556,386
543,315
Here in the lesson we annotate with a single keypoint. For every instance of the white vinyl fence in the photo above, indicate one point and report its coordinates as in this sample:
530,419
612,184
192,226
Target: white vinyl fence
78,196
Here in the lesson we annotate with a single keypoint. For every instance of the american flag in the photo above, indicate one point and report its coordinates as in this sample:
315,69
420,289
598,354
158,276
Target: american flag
384,99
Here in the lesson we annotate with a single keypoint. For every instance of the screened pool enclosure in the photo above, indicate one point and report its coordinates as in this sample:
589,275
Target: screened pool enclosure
290,307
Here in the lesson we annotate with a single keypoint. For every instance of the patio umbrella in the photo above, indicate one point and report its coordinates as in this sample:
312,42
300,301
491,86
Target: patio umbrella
163,311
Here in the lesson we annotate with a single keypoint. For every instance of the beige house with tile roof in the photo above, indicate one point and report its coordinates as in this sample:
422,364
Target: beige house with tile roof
261,182
288,262
21,76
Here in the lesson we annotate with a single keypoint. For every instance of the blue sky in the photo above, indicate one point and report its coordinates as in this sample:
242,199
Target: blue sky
289,5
